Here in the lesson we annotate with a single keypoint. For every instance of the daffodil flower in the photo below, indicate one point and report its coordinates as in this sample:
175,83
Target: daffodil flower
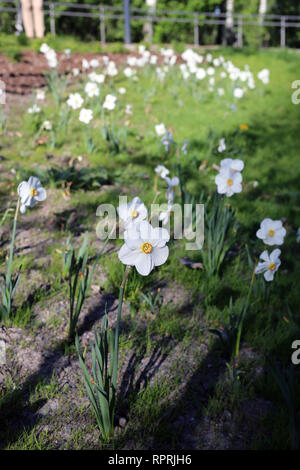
75,101
86,115
31,193
172,183
133,212
144,247
222,145
269,265
160,129
109,102
228,182
233,165
271,232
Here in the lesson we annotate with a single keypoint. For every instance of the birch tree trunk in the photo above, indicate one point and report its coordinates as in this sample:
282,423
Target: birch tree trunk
263,6
229,35
147,27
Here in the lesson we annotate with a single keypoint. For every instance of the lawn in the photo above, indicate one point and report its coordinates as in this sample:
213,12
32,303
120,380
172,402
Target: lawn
182,381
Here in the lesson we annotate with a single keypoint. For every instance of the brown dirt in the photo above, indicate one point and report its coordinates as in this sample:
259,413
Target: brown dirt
21,77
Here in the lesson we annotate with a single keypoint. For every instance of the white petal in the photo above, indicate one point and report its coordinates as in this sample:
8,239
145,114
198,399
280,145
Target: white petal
269,275
23,189
275,255
265,256
144,263
160,255
41,194
126,255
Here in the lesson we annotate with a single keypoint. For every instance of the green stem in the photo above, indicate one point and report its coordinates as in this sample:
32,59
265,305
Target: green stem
116,349
12,245
243,313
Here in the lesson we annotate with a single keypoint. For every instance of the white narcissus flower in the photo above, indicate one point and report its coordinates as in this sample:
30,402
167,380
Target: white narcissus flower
160,129
51,58
85,64
222,145
91,89
271,232
109,102
172,183
233,165
270,264
75,72
94,63
133,212
264,76
75,101
47,125
238,93
31,193
40,95
96,77
164,216
200,74
128,72
44,48
67,53
34,109
128,109
111,69
122,90
228,183
144,247
162,171
86,115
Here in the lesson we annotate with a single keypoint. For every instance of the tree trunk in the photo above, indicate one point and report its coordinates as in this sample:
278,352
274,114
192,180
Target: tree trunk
147,27
229,35
263,6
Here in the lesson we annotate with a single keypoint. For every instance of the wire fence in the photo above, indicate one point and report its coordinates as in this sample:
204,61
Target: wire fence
197,20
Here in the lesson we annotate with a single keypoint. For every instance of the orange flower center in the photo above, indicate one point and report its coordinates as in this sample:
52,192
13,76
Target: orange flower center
271,233
272,266
33,192
229,182
134,214
146,247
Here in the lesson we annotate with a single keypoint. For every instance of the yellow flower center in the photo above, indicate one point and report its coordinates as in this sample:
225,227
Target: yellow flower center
271,233
244,127
229,182
134,214
272,266
33,192
146,247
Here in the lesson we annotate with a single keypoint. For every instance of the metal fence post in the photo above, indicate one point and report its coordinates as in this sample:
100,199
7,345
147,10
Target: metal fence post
102,26
240,33
127,35
52,20
196,29
282,31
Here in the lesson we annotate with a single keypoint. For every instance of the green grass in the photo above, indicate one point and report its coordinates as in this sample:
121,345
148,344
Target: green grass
269,149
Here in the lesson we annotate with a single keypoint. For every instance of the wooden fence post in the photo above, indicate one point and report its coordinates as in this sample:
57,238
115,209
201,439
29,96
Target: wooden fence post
240,33
102,26
52,20
282,31
196,29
